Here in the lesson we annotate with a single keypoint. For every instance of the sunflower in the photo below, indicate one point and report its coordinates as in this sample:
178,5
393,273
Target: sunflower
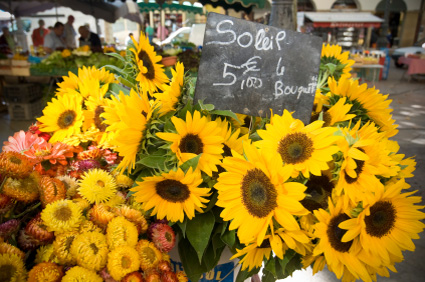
95,107
122,261
24,190
253,193
81,274
368,103
169,98
388,224
196,135
97,186
342,257
132,112
366,158
150,75
61,216
63,116
172,195
305,149
15,165
72,81
149,255
121,232
90,250
45,272
12,268
232,139
333,54
336,113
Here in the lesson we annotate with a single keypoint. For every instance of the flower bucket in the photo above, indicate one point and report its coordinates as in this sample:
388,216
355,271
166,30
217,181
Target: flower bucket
169,61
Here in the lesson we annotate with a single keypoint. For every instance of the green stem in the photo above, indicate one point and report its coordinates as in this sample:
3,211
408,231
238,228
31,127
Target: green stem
27,210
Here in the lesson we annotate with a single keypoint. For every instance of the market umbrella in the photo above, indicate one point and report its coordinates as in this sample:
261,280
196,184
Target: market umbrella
99,9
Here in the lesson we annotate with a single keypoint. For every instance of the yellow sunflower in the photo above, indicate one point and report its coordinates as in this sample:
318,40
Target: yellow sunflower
63,117
81,274
90,250
128,118
336,113
365,159
95,107
196,135
172,195
97,186
232,139
342,257
71,82
121,232
333,54
149,255
151,74
12,268
122,261
253,193
368,103
169,98
388,224
61,216
305,149
90,87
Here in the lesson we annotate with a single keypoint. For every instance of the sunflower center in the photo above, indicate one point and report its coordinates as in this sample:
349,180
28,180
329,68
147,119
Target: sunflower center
227,151
94,248
381,219
191,144
295,148
147,63
15,160
172,190
149,254
335,234
125,262
7,272
66,119
358,170
259,195
98,121
265,244
63,213
100,183
319,188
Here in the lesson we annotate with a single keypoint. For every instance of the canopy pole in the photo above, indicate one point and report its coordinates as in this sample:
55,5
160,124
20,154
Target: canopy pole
382,39
56,10
282,14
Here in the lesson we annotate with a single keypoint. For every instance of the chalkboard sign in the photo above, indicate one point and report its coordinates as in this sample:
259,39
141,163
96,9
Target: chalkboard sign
250,68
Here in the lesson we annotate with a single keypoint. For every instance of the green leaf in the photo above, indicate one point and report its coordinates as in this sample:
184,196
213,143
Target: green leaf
212,256
115,55
330,67
198,232
229,237
267,276
126,82
280,272
153,162
227,114
116,88
182,226
293,264
243,274
193,268
217,243
193,163
204,107
271,266
212,201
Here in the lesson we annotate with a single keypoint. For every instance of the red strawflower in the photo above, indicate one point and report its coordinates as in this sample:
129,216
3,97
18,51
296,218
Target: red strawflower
163,236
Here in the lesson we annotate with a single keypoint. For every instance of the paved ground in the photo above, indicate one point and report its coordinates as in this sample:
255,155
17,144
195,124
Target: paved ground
409,112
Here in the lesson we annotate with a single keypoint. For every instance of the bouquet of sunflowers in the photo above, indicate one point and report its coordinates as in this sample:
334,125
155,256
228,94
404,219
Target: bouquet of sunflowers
112,155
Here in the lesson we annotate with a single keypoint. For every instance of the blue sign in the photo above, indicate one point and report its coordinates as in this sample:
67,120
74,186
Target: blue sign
215,275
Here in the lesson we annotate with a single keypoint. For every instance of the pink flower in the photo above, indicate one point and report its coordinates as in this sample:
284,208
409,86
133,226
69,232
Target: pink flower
21,142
